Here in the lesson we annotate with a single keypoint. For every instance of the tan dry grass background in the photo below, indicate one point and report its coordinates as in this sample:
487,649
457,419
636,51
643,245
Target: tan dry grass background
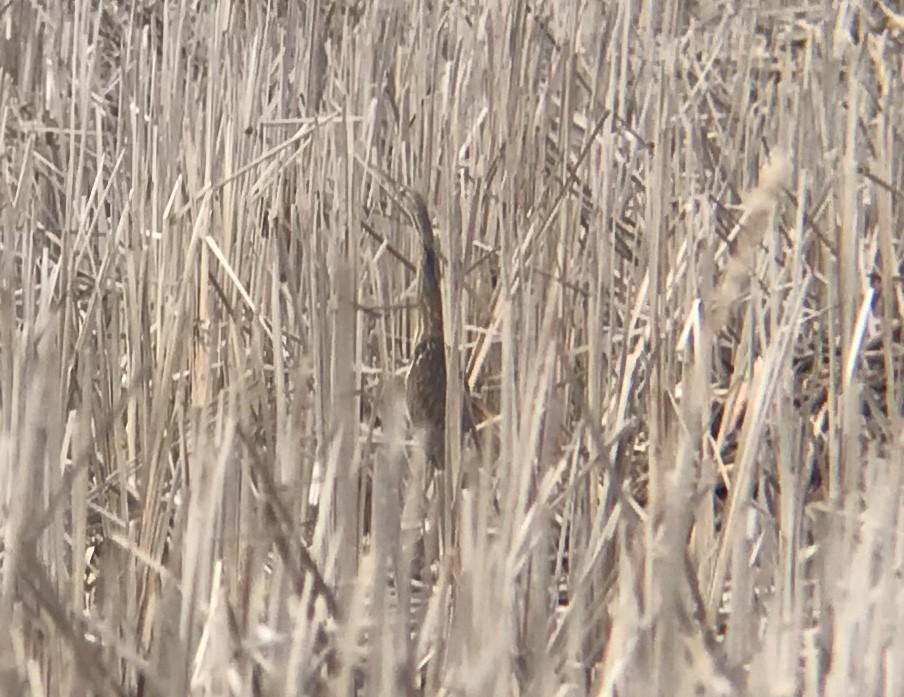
672,235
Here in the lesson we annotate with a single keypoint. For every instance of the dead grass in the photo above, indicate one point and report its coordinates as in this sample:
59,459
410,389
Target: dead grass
672,245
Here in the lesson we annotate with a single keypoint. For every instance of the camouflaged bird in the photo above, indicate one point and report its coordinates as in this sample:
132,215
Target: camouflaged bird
426,382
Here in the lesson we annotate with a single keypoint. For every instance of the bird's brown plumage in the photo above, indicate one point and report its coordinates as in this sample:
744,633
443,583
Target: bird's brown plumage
426,383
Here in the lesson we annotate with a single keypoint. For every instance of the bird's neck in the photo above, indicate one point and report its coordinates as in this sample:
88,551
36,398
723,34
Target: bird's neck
430,309
430,298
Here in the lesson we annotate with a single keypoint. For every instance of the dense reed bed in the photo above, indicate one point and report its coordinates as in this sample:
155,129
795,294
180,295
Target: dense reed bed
671,241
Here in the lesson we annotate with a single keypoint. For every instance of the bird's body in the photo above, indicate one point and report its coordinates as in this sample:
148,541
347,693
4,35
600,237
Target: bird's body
426,382
426,392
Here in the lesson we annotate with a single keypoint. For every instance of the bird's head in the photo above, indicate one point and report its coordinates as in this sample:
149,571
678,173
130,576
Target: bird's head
429,293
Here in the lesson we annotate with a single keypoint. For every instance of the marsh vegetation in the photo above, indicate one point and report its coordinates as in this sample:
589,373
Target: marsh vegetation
669,237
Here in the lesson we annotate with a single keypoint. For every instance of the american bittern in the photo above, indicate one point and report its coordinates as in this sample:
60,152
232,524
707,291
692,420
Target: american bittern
426,383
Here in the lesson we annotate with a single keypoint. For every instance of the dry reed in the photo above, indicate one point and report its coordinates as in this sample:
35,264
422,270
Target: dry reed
692,484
